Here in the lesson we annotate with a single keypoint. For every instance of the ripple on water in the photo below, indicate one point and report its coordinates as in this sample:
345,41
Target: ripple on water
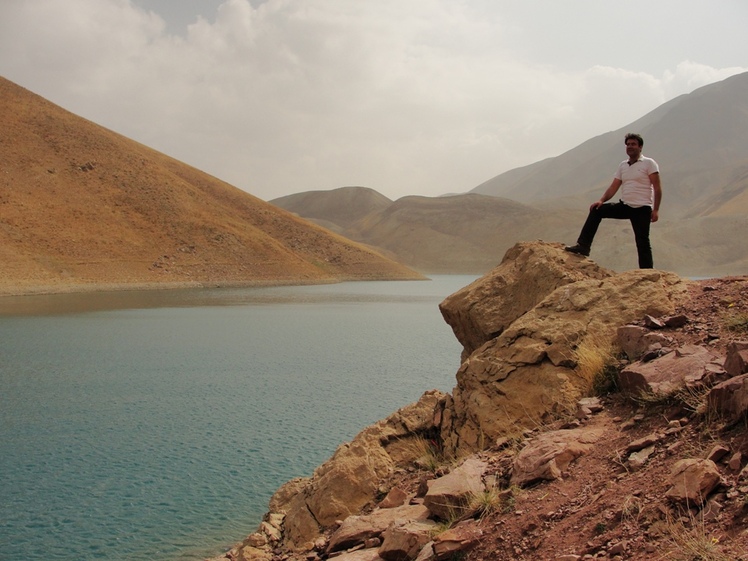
160,433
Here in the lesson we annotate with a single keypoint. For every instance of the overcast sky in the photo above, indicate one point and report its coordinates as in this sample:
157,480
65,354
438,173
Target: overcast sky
403,96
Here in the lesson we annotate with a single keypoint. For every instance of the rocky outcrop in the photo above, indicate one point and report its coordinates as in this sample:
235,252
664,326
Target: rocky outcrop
522,372
528,372
349,479
528,273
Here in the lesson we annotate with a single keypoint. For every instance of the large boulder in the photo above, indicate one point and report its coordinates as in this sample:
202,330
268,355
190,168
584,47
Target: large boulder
736,362
729,399
404,539
691,481
529,373
547,456
348,481
355,530
666,375
452,494
529,272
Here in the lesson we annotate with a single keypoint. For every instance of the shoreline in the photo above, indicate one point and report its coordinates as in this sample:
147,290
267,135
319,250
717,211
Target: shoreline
16,290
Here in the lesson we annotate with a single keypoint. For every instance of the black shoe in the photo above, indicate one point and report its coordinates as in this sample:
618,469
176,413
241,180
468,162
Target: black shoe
578,249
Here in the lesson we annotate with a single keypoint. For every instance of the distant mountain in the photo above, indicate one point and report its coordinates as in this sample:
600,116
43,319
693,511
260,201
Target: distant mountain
335,209
458,233
81,207
699,141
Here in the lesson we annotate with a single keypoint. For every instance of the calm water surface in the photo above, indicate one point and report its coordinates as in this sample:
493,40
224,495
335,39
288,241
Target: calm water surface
155,426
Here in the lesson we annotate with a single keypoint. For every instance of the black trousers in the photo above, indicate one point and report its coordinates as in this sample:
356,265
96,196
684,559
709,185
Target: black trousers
640,217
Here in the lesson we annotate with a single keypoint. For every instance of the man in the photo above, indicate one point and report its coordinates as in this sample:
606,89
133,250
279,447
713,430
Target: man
639,181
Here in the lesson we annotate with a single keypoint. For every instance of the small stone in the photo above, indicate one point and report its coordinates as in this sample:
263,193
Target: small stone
642,443
674,447
639,458
717,453
653,323
735,462
676,321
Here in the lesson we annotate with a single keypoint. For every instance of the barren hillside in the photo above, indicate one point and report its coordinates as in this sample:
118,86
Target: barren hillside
699,141
82,207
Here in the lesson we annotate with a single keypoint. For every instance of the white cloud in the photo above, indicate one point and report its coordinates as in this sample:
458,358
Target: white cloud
425,96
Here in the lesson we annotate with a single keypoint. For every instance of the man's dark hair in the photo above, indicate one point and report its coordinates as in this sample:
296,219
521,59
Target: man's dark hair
636,137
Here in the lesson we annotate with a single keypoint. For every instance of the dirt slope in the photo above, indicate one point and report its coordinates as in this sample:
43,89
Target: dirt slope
81,206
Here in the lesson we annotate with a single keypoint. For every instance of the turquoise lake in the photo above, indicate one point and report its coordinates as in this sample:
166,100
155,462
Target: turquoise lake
156,425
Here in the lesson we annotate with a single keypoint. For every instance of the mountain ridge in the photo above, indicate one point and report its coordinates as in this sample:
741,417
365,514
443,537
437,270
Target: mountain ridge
696,138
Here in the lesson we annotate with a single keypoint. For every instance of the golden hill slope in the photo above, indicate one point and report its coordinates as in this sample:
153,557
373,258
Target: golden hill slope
83,206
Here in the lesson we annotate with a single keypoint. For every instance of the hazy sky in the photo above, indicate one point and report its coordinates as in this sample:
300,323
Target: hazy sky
404,96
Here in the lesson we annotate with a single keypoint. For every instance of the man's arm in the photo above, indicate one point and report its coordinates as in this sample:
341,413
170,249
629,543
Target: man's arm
655,179
609,192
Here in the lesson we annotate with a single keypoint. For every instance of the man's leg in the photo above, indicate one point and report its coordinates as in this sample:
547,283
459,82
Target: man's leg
641,219
587,235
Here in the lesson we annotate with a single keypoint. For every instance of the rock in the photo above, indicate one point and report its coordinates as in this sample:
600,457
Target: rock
635,341
715,374
349,479
528,372
736,362
427,553
587,406
743,475
641,443
692,480
548,455
250,553
256,540
451,494
404,540
729,399
667,374
360,555
462,537
640,457
653,323
527,274
675,322
712,510
735,462
396,497
357,529
717,453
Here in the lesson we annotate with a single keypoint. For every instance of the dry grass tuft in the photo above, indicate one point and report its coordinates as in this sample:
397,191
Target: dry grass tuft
596,363
692,542
735,321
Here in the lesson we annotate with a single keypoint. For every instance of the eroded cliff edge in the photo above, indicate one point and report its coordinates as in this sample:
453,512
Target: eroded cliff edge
527,328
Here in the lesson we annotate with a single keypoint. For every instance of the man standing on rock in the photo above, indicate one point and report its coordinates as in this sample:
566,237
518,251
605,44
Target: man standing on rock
639,181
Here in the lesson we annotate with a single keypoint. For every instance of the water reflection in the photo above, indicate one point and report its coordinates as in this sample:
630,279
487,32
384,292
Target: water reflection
364,291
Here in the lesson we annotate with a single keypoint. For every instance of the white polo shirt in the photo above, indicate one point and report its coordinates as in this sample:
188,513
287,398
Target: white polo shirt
636,188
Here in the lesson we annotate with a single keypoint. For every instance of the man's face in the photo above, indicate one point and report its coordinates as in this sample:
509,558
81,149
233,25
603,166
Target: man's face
633,149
